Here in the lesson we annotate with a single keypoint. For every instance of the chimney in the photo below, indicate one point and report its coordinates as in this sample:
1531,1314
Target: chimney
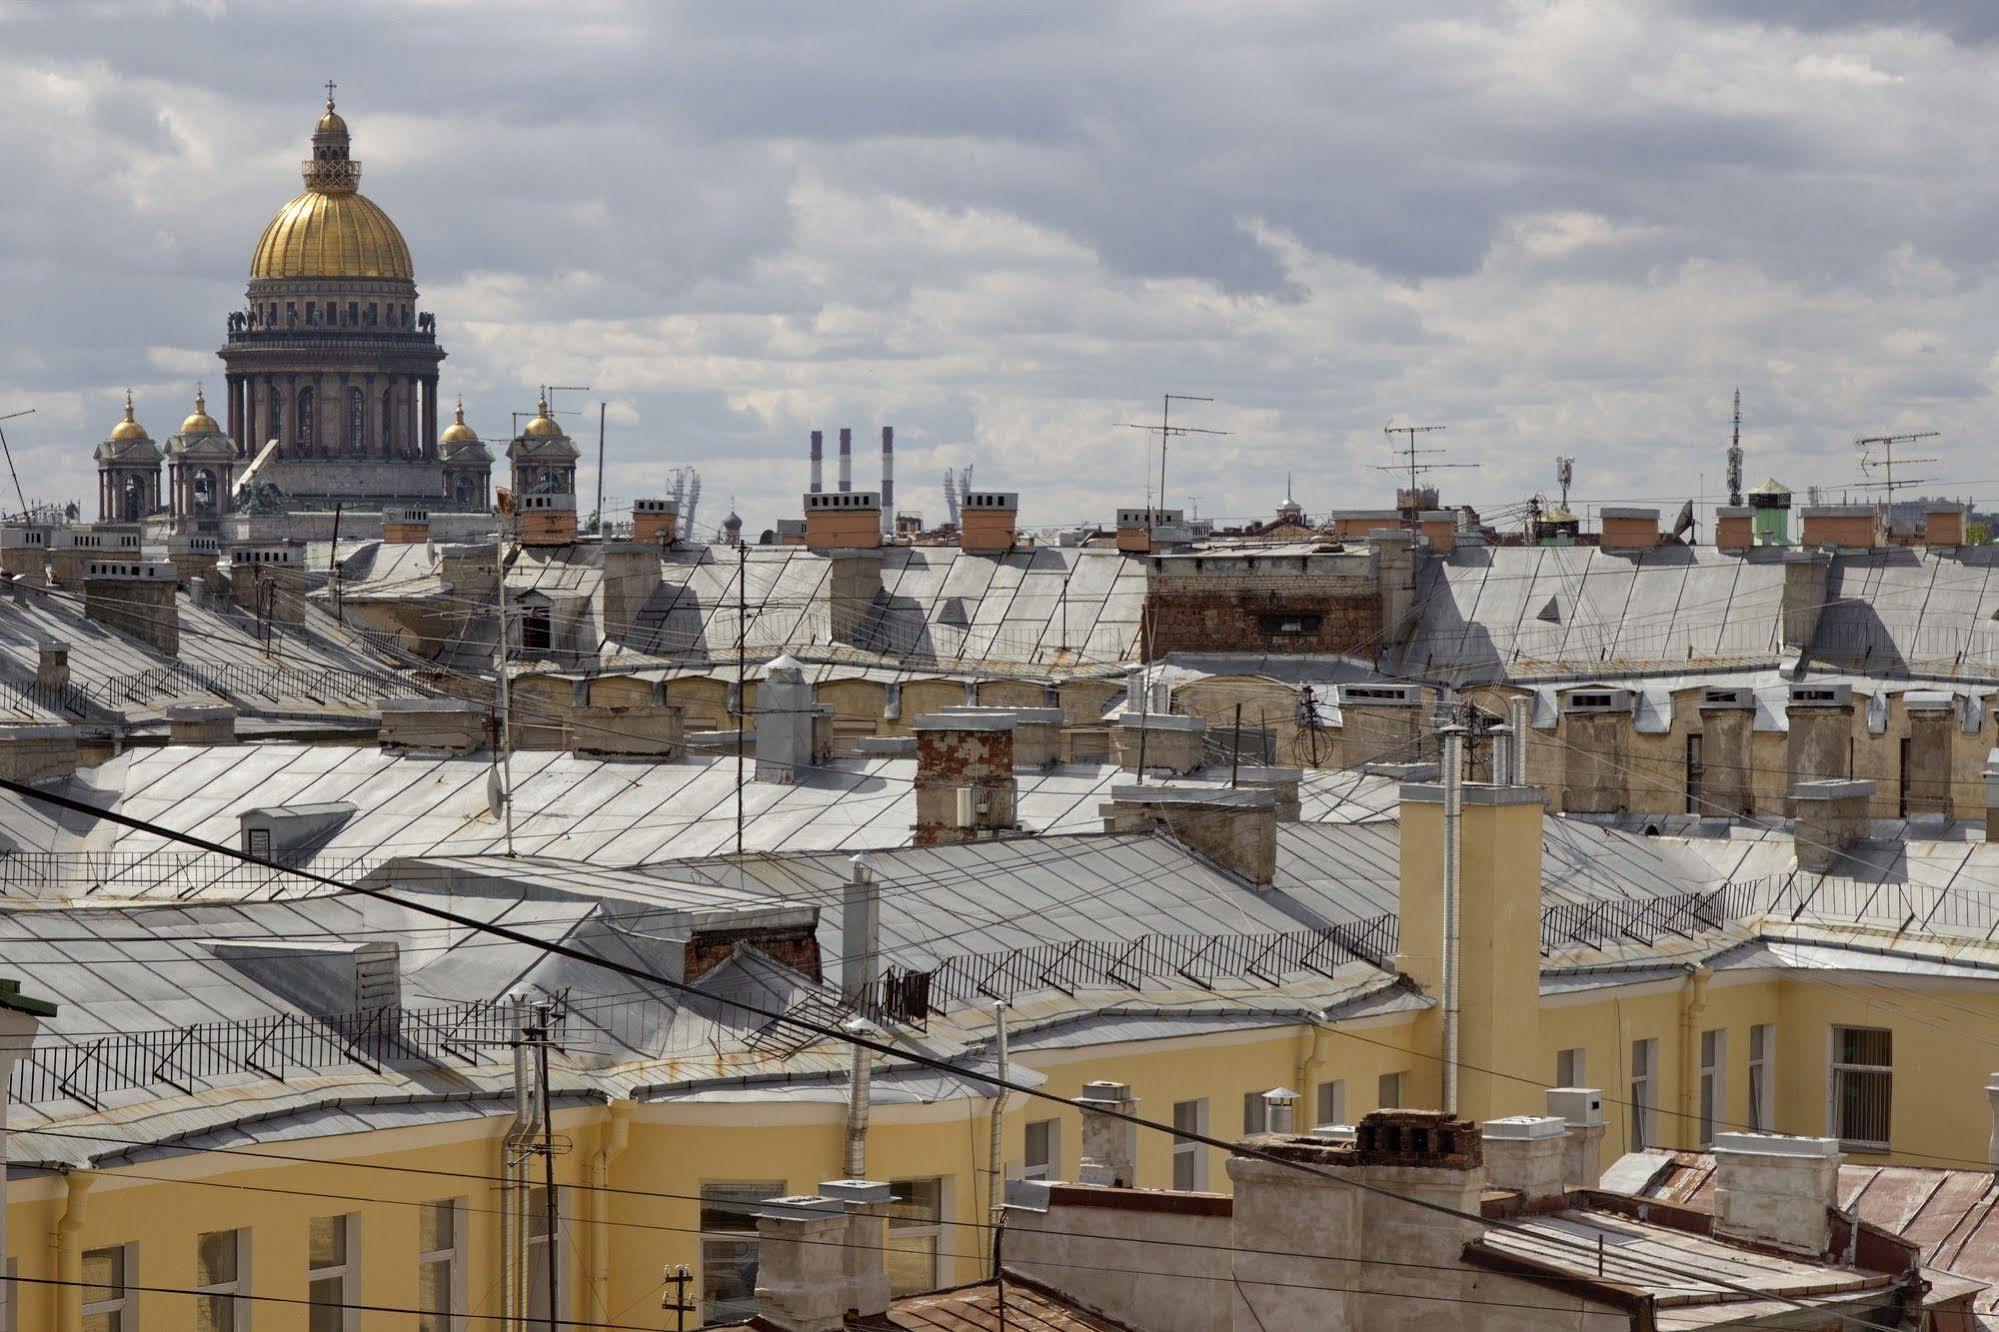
793,730
654,521
70,549
201,724
1847,526
1161,742
1282,783
547,520
631,576
52,664
36,753
471,572
987,521
1629,530
863,1269
846,460
24,553
1037,732
1943,523
432,726
135,597
1830,817
1234,828
1498,931
406,525
1733,528
801,1262
965,788
1528,1154
1110,1146
1805,575
818,448
194,557
1581,1109
888,479
843,520
1773,1189
1280,1110
860,928
268,577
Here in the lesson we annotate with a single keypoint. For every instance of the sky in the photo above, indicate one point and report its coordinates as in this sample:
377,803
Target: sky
1554,228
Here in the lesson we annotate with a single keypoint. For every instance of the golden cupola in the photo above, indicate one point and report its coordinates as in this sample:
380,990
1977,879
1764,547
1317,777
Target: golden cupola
458,432
200,422
332,230
543,426
128,429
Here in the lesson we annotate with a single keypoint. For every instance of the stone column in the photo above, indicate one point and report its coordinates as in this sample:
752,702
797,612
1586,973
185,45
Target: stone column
429,418
369,412
235,413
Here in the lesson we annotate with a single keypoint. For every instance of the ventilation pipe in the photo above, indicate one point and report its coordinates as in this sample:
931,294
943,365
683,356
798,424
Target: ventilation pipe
846,460
1502,755
860,962
1522,726
818,458
1453,826
888,480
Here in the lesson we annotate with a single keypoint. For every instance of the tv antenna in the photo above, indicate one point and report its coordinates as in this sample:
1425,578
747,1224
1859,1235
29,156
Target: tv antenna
1565,472
1166,430
1735,456
1878,451
18,492
1411,461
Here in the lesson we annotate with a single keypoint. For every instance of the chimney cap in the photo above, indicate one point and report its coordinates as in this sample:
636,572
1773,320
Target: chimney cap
1776,1144
1105,1091
1522,1128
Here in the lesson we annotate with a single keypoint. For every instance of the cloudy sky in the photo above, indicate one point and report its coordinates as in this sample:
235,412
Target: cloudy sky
1006,229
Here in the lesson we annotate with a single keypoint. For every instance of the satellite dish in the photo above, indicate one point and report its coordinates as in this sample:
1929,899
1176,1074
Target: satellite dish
496,795
1685,522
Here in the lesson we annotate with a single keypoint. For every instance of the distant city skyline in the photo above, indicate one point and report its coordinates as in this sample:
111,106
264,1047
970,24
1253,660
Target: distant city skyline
1559,229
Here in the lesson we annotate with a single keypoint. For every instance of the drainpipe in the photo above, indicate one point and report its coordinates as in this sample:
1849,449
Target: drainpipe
860,970
859,1077
995,1188
513,1182
615,1136
1693,1003
67,1241
1453,922
1314,1060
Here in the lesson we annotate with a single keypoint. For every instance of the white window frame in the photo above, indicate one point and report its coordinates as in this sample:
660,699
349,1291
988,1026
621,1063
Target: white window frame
767,1188
1194,1153
933,1231
1643,1125
1050,1167
1389,1091
1836,1073
1332,1102
454,1254
240,1285
1762,1069
1712,1104
1572,1067
122,1303
348,1270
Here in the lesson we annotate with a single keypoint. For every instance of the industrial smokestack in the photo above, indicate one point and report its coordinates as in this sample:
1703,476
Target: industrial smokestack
818,451
846,460
888,480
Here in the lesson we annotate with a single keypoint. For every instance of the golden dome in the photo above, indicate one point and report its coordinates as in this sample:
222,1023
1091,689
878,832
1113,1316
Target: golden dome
543,426
201,423
128,429
323,234
458,432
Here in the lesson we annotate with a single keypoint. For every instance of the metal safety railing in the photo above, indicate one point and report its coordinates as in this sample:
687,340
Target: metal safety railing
60,874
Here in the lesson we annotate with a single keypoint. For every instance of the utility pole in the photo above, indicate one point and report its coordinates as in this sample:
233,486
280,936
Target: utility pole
1411,460
534,1111
678,1277
505,740
1165,430
600,471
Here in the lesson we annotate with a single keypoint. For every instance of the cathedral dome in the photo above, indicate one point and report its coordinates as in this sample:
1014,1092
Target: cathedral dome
128,429
458,432
200,423
331,230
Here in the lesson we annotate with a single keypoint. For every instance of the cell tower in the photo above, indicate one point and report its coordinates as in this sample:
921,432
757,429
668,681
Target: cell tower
951,496
1565,473
693,502
1735,456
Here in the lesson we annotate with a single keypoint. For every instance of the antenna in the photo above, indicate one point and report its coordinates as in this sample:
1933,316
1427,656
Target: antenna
1735,456
1879,451
1565,472
1165,430
1410,453
18,492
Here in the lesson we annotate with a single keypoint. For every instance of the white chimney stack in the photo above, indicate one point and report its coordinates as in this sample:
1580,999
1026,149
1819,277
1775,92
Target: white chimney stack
846,460
818,459
1110,1146
1770,1188
1527,1153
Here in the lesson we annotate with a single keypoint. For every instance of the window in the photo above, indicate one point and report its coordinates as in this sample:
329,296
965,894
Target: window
1190,1159
106,1303
1255,1114
540,1317
1572,1068
1388,1091
221,1271
329,1274
438,1268
729,1247
536,633
1762,1101
1044,1150
353,313
1285,625
915,1225
1862,1066
1714,1092
1332,1102
1644,1059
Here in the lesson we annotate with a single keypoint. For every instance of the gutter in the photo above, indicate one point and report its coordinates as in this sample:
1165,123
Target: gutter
615,1137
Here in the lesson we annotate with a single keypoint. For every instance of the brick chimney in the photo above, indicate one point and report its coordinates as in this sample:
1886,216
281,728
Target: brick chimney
986,521
1943,523
1629,530
1831,816
965,787
52,664
268,576
1235,828
1037,732
406,525
547,520
1848,526
24,553
654,521
1770,1188
1733,527
194,557
1110,1146
201,724
843,520
1806,573
70,550
135,597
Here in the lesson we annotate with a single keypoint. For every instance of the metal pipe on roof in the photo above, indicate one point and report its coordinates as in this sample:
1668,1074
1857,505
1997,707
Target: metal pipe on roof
996,1175
1453,923
846,459
818,450
888,480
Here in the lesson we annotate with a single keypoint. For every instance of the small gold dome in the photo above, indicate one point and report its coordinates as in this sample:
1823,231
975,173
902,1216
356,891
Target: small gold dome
200,423
128,429
458,432
330,123
543,426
